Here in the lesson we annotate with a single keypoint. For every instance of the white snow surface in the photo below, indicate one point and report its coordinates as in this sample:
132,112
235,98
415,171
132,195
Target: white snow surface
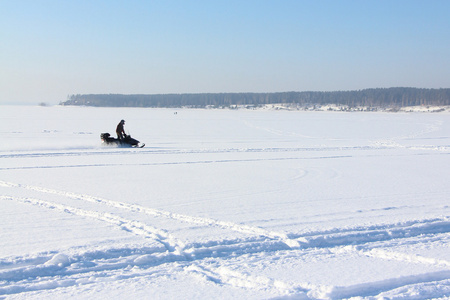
224,204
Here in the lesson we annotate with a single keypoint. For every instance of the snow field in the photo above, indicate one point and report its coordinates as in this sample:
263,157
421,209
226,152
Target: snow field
224,204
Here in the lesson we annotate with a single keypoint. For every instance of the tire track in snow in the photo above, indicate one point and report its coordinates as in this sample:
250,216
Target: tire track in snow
370,234
382,144
374,290
169,215
223,275
58,270
45,284
139,228
443,150
390,255
53,271
321,239
337,240
305,290
60,264
188,151
173,163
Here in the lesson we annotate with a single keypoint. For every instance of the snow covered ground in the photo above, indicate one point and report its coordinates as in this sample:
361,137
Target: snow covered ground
224,204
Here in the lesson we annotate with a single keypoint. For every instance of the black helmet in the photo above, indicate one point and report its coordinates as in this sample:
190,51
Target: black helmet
122,121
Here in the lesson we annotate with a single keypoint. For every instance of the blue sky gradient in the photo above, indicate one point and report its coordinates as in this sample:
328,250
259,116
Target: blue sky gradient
51,48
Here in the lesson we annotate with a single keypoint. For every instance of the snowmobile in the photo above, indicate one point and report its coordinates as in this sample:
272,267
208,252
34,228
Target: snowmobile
128,141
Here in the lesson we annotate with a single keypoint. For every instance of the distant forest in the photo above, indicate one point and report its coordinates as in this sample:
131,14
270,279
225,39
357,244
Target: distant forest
378,97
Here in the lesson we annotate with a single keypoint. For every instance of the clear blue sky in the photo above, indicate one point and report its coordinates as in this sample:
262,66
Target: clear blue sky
52,48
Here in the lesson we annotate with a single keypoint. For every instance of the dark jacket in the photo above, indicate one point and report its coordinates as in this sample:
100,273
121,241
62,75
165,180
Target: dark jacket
120,131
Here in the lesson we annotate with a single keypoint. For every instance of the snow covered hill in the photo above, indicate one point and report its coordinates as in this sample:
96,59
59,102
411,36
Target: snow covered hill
224,204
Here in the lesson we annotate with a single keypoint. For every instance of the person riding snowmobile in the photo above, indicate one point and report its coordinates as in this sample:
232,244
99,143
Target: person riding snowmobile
120,130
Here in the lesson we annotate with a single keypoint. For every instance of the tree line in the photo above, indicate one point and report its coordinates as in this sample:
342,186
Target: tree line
378,97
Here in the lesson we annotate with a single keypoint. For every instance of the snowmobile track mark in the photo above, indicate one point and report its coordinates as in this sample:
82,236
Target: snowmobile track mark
336,241
159,213
325,239
136,227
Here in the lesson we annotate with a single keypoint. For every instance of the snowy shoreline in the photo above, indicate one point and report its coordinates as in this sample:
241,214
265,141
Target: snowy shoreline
287,107
344,108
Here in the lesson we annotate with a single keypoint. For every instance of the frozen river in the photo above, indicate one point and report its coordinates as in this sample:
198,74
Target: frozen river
224,204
